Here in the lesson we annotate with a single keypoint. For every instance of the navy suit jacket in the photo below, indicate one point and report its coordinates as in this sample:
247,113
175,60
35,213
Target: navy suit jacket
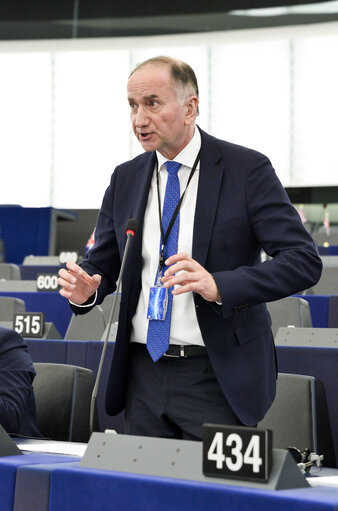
241,208
17,402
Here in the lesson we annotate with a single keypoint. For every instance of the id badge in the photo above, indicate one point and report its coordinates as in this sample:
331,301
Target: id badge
158,303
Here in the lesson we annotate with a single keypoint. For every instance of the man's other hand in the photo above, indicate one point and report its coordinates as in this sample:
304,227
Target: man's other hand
189,275
76,285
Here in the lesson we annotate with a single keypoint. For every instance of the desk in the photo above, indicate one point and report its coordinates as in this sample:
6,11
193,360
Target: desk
323,310
27,231
30,272
88,489
319,309
322,363
55,306
8,471
333,312
330,250
42,482
319,362
84,354
58,311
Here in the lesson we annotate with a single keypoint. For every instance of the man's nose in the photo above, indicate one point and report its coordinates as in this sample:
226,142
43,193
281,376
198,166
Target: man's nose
141,118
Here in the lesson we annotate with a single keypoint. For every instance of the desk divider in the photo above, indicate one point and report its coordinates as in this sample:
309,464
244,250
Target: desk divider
33,484
307,337
179,459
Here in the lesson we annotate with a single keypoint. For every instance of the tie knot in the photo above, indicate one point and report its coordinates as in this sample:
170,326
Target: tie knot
172,166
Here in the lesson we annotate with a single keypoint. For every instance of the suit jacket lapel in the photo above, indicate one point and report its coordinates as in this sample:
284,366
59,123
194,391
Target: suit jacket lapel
143,174
209,184
210,177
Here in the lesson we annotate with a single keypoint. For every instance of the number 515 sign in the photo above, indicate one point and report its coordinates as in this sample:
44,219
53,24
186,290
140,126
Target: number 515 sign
29,324
237,452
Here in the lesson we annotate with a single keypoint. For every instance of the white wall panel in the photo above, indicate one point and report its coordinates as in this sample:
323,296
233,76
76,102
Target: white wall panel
25,129
316,111
65,123
250,98
91,128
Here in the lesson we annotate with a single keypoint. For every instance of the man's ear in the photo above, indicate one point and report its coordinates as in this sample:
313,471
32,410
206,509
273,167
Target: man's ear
191,112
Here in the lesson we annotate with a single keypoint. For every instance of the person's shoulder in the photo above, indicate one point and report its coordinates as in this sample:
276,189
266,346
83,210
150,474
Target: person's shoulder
10,339
232,150
139,160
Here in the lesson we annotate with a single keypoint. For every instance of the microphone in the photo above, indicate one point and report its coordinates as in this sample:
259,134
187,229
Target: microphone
131,228
305,459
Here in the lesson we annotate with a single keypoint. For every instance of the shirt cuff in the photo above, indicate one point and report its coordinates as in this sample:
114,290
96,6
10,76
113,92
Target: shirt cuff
86,304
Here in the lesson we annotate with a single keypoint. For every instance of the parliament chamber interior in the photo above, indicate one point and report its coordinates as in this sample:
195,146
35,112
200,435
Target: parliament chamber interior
59,94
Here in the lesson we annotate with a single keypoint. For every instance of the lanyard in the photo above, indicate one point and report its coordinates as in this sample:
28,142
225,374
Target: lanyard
164,238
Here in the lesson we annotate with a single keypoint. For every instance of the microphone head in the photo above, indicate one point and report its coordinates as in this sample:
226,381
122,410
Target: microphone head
131,226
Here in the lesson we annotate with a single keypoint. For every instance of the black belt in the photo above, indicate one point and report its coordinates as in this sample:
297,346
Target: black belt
176,351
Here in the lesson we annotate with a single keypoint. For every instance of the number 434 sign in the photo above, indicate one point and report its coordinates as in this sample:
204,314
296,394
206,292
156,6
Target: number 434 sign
237,452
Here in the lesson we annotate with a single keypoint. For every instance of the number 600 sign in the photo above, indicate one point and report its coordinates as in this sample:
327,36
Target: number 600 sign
47,282
237,452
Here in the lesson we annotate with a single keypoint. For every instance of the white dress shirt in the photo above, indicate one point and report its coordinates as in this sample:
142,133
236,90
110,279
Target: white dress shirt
184,326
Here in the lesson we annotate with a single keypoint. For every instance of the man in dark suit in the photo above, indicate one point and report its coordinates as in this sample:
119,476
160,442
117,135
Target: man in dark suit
17,403
220,364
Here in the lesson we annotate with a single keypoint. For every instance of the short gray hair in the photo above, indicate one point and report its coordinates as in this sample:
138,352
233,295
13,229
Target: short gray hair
182,74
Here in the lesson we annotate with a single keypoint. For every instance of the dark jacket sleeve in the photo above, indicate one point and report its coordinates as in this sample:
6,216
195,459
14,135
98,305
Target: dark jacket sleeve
276,227
16,376
104,257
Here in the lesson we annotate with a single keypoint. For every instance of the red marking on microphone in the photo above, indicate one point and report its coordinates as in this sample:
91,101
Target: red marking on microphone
129,231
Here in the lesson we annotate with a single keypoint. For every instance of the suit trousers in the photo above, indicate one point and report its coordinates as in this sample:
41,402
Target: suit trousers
173,397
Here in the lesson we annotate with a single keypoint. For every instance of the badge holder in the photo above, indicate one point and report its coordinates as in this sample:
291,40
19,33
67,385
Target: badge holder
158,301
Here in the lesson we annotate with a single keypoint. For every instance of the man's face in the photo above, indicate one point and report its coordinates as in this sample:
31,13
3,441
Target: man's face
160,121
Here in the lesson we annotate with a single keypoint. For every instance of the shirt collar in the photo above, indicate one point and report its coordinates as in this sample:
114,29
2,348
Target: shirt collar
188,154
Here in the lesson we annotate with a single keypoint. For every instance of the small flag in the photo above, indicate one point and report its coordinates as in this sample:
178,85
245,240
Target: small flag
90,242
326,223
302,214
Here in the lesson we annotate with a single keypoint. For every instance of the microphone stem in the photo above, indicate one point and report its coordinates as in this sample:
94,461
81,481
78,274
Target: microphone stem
105,344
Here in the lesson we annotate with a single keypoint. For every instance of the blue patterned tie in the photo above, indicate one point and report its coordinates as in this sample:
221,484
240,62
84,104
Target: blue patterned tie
158,330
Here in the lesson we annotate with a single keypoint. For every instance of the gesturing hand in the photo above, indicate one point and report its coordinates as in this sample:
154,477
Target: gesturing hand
76,285
193,277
